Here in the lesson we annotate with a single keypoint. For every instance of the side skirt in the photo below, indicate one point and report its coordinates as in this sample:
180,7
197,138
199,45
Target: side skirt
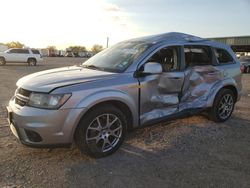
182,114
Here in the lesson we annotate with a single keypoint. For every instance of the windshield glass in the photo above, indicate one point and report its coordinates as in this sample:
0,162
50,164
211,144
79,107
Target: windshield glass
117,58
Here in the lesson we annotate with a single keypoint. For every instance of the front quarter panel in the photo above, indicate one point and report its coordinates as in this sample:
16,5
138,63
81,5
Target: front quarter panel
122,87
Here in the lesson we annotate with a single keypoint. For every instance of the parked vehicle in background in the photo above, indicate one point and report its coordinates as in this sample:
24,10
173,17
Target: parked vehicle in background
245,64
135,83
52,52
44,52
61,53
17,55
69,54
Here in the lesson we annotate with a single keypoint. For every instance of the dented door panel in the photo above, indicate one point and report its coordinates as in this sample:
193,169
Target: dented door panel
198,84
160,95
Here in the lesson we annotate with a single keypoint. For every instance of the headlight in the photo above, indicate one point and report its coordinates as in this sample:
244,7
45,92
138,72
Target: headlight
48,101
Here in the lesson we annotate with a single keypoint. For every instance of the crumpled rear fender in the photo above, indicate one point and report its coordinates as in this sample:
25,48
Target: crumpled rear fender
217,87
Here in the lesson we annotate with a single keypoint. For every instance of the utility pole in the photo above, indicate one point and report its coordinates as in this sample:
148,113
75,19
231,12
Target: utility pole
107,42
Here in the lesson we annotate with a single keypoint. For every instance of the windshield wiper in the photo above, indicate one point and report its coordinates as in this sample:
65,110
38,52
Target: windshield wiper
91,67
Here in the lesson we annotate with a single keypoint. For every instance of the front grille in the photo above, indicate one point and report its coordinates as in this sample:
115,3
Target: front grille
22,96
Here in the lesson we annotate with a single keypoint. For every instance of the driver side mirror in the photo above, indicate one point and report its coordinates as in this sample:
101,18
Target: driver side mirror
152,68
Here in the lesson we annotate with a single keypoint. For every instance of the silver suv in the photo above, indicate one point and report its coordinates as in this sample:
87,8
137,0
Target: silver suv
132,84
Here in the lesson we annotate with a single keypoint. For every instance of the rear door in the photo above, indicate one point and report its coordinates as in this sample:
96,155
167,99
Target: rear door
23,55
200,76
159,94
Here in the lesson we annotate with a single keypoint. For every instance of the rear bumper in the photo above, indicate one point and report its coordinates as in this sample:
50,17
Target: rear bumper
43,128
39,60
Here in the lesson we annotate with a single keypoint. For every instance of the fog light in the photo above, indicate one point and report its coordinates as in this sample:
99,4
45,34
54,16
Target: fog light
33,136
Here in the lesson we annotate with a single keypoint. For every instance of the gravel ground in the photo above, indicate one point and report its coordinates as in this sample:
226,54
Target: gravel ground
189,152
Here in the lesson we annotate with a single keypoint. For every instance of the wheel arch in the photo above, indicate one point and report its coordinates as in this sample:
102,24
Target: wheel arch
2,57
117,98
31,58
231,87
116,103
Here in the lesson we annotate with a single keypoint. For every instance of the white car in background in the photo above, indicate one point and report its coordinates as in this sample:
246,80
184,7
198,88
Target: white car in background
16,55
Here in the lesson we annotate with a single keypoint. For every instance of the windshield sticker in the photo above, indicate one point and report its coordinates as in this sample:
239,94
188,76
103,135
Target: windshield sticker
130,51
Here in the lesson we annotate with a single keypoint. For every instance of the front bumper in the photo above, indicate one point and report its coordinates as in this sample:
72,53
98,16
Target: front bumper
41,127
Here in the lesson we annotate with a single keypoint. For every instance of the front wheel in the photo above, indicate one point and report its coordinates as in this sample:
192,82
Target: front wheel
223,106
2,61
101,131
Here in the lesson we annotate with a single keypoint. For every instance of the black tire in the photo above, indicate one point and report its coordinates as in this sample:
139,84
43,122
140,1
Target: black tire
31,62
248,69
2,61
216,112
91,140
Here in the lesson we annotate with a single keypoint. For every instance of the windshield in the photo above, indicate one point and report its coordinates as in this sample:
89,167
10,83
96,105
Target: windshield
117,58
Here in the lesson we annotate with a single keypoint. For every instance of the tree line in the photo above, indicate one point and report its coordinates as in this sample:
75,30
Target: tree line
75,49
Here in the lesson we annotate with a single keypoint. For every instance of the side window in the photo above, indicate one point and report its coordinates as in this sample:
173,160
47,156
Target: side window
223,56
23,51
168,57
35,52
13,51
197,56
19,51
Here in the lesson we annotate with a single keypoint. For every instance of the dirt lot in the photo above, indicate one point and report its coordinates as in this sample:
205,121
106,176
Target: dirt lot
190,152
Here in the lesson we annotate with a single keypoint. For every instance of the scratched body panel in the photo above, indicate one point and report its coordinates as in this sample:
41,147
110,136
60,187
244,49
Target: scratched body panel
159,95
199,82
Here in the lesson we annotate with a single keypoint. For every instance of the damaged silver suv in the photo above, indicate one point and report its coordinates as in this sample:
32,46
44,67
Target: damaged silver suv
132,84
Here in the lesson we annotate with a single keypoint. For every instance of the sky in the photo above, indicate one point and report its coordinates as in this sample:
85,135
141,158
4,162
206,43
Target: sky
40,23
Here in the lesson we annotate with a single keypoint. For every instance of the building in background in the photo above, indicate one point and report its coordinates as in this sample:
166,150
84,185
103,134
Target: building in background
239,44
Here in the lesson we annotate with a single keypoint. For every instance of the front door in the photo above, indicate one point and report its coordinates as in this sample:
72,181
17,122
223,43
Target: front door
160,94
12,55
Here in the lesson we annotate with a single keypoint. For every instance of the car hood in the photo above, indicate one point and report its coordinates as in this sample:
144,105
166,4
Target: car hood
45,81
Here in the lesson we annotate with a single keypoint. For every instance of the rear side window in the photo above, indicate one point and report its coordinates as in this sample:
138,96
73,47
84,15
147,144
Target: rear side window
197,56
223,56
35,52
22,51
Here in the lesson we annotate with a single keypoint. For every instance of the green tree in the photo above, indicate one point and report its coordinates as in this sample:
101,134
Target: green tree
51,48
96,48
77,49
15,44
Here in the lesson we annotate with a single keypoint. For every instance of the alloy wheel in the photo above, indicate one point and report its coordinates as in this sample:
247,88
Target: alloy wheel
226,105
104,132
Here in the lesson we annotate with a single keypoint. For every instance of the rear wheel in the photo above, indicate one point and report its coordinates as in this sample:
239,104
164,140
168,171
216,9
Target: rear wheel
2,61
101,131
223,106
248,69
31,62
